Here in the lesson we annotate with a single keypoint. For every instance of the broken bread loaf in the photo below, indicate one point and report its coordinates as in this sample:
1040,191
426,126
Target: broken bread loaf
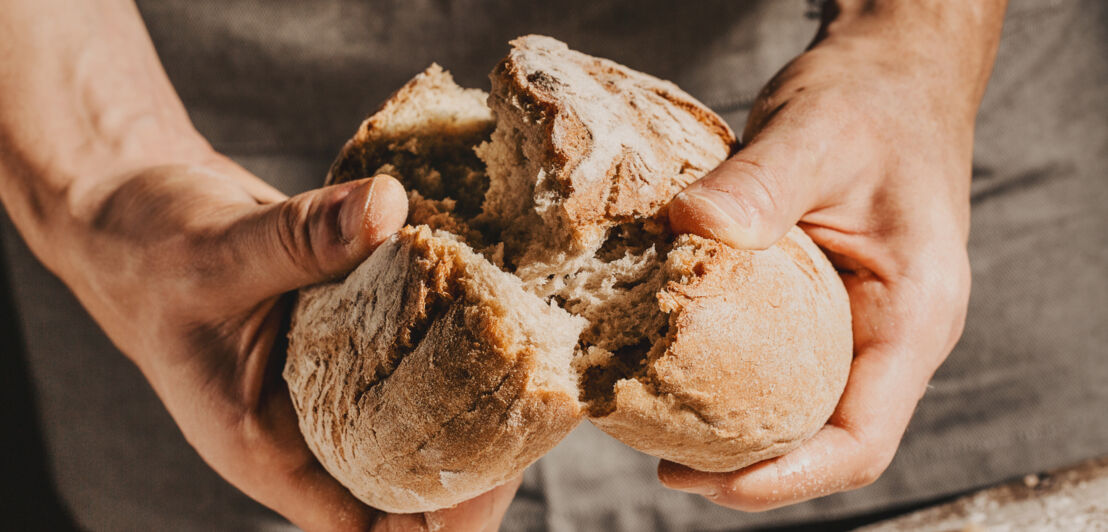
429,376
537,283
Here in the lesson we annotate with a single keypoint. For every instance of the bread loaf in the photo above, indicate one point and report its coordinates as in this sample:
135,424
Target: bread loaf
538,283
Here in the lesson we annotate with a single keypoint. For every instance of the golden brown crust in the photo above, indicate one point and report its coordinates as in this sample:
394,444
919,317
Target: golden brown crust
617,144
758,352
412,385
423,135
428,115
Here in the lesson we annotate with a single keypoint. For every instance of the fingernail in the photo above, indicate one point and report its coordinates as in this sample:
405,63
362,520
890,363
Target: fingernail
681,478
352,214
703,491
716,213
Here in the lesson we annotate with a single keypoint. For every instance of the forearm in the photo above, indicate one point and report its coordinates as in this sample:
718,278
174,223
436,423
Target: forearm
950,43
83,100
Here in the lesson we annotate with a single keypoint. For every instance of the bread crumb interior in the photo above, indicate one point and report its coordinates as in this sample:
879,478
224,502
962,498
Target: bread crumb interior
484,182
613,287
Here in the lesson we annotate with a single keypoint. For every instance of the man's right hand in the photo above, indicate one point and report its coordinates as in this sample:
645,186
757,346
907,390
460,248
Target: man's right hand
866,142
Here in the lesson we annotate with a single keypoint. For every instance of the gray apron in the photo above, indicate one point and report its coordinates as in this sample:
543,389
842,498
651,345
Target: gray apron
279,85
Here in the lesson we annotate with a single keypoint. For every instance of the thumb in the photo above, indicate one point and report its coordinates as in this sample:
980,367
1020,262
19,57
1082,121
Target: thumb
749,201
320,234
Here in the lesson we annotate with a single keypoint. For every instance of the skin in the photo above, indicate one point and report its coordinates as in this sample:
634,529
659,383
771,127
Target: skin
180,255
184,258
865,141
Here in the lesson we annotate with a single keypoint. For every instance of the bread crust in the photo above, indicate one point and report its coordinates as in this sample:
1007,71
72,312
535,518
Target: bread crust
617,144
429,119
757,355
414,386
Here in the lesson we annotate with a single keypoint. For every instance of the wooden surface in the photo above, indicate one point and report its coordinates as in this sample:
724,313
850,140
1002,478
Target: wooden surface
1069,499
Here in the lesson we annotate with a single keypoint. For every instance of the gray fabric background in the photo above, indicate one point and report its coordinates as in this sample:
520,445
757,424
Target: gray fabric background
280,85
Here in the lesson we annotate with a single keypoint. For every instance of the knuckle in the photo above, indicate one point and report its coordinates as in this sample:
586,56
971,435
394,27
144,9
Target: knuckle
866,476
765,189
958,294
947,283
873,466
942,280
293,233
935,265
738,494
755,188
742,502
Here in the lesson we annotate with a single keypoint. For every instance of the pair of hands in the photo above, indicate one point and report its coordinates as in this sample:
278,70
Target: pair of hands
867,146
866,159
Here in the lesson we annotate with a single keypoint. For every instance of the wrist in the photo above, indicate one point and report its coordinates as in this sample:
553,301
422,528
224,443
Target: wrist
86,176
53,195
947,44
83,101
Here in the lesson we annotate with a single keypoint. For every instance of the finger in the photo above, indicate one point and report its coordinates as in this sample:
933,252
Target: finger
317,235
247,430
266,456
286,477
851,451
481,514
319,502
751,200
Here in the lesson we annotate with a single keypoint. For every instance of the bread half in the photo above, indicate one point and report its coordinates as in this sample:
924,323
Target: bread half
754,356
428,376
